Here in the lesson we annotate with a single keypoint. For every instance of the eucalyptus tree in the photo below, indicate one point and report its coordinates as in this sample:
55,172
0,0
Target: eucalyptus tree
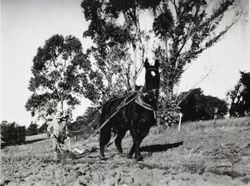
187,28
182,29
119,42
60,77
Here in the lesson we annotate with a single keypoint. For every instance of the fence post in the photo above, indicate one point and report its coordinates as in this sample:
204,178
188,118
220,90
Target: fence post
179,126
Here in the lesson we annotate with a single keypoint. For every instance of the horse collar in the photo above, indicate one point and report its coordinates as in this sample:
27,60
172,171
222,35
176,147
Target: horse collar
142,103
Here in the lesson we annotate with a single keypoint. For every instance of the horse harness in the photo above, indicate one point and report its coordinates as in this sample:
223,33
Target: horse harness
145,105
139,101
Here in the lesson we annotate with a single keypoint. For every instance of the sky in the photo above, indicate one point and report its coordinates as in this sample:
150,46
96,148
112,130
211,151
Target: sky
26,24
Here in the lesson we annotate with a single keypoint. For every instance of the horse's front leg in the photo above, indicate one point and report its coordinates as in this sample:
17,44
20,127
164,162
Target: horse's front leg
105,134
136,146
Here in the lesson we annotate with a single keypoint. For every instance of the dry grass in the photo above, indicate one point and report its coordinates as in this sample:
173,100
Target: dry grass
220,123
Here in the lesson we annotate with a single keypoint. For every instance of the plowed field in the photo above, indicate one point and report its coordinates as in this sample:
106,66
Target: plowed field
200,154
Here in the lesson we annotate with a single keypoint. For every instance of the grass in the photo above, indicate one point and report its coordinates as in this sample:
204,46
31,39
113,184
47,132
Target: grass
220,123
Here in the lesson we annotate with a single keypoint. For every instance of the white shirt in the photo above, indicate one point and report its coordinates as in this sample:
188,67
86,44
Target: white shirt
56,127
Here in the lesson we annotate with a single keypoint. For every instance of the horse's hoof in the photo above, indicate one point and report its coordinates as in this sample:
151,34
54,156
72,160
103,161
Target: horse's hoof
139,158
102,158
129,156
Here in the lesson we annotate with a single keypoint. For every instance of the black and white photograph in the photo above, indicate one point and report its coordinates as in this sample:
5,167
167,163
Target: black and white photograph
125,93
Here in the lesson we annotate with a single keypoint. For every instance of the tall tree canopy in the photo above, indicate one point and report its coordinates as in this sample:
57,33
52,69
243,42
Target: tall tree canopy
182,30
60,75
239,97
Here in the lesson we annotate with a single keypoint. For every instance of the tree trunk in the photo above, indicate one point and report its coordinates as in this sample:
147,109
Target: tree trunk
128,78
62,105
134,69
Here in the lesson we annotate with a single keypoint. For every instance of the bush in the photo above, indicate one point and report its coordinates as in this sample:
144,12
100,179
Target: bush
197,106
32,129
86,124
43,128
12,133
168,111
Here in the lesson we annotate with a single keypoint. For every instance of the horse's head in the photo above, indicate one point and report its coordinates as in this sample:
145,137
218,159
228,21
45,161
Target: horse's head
152,80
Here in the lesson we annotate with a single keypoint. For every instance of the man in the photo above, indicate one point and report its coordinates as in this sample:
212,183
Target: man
57,131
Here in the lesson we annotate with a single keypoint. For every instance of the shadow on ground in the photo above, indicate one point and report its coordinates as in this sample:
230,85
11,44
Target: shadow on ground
160,147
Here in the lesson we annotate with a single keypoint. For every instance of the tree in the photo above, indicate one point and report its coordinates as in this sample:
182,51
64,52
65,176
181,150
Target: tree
197,106
85,124
43,128
188,105
60,76
12,133
182,29
32,129
186,29
114,39
245,80
90,118
239,97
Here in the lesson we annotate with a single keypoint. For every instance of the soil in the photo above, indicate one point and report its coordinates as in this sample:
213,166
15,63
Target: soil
196,155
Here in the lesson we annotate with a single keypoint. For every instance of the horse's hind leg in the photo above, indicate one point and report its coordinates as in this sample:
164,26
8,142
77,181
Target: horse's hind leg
137,139
118,140
138,155
131,152
135,149
105,134
136,146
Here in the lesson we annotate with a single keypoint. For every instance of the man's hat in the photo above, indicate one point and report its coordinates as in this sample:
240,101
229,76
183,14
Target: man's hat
49,117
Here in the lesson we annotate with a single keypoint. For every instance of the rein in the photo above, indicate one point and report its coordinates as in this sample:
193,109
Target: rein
138,100
122,105
143,104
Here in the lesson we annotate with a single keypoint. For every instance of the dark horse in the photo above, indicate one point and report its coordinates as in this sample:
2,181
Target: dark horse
137,116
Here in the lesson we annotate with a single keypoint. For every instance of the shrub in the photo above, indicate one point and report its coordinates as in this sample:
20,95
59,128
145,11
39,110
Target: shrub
43,129
168,111
12,133
32,129
197,106
86,124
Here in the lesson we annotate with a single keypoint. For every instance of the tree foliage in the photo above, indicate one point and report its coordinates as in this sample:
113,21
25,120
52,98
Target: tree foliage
182,29
85,124
12,133
239,97
115,30
187,28
60,75
43,128
197,106
33,129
